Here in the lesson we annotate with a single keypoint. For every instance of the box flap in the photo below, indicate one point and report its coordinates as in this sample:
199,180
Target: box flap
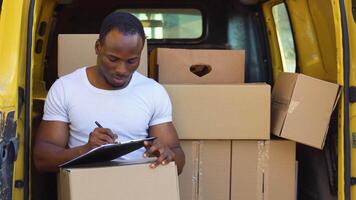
337,97
283,88
334,106
278,116
281,96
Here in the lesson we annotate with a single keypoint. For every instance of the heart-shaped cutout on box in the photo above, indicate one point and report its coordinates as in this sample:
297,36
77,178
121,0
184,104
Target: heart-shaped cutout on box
200,69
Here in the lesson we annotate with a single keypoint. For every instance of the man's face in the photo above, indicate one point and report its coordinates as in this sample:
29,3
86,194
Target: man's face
118,57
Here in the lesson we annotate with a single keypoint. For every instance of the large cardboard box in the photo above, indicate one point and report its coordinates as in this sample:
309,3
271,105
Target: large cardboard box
78,50
301,108
221,111
175,66
249,170
263,170
206,174
129,182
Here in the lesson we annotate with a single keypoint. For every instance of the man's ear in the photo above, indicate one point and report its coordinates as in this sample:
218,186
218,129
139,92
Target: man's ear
97,47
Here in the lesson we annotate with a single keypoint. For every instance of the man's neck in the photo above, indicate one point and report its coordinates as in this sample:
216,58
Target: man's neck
97,80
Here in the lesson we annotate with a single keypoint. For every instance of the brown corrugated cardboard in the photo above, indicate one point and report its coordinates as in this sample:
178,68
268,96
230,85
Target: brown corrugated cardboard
188,179
263,170
77,50
246,178
130,182
279,173
221,111
250,170
214,173
206,175
175,66
301,108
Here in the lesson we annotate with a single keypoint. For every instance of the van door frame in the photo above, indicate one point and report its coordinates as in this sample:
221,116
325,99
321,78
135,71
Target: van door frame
13,41
347,13
28,100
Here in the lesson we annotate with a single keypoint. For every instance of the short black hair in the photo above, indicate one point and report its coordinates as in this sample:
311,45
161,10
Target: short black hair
123,22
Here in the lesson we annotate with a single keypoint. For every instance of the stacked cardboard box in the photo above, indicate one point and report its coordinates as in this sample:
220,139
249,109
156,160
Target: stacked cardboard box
110,182
239,169
224,127
302,107
235,111
177,66
77,50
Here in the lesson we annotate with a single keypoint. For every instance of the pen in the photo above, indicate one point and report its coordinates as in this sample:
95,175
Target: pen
97,123
100,126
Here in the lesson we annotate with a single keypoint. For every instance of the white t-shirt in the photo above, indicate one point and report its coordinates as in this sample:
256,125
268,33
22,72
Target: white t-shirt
128,112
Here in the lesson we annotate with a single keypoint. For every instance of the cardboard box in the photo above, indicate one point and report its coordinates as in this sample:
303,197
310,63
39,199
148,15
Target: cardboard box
249,170
263,170
206,174
221,111
78,50
301,108
129,182
197,66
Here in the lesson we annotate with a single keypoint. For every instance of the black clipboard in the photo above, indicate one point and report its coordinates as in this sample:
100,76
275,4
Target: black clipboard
107,152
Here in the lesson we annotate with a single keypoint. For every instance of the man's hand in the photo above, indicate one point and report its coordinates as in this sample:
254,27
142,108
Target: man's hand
101,136
157,149
166,146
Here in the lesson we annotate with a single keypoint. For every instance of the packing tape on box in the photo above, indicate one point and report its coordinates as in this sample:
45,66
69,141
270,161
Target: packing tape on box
195,176
262,165
200,170
292,106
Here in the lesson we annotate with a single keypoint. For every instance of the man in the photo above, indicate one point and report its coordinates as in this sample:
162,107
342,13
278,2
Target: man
127,104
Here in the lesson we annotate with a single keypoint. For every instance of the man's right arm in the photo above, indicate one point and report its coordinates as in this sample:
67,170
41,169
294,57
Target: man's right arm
50,146
51,150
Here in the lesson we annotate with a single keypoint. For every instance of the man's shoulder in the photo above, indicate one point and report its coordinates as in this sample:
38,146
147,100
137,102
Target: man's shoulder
74,76
143,81
78,73
147,86
68,81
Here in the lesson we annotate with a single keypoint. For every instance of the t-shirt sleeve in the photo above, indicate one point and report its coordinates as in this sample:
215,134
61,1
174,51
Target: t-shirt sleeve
162,107
55,106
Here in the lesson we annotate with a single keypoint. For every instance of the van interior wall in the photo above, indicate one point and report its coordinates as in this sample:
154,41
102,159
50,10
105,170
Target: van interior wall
229,25
246,30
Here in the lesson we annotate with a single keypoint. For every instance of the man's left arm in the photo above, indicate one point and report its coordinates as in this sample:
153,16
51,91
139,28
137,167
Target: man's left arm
166,146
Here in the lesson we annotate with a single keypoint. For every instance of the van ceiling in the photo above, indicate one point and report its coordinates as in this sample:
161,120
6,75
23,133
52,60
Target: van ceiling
244,2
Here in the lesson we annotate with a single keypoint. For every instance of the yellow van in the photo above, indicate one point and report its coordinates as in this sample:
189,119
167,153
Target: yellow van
313,37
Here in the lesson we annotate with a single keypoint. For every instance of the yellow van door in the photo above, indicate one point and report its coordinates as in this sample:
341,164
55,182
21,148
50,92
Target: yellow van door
13,48
322,44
